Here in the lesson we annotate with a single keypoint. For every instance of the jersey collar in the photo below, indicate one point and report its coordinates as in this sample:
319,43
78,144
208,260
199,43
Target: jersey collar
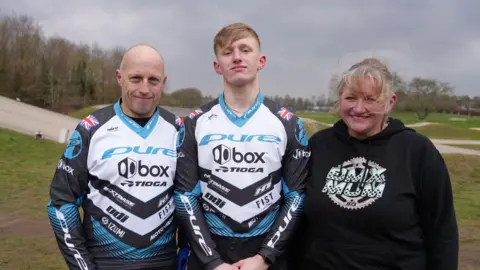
240,120
143,132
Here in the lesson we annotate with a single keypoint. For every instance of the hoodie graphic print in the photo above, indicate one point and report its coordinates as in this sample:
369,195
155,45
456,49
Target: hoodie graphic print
355,183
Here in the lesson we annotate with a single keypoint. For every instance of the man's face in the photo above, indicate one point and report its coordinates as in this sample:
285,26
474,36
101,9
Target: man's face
240,62
142,81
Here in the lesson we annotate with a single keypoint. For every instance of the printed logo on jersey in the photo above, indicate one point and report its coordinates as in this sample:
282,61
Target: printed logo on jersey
242,138
89,122
223,154
212,116
62,166
74,146
301,153
300,133
285,114
112,227
140,150
356,183
195,113
62,221
128,168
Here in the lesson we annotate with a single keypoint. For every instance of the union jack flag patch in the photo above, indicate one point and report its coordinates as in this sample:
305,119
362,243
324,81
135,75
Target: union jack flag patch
89,122
195,113
285,114
178,121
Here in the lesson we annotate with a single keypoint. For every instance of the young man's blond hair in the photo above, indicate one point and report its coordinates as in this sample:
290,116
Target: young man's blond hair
231,33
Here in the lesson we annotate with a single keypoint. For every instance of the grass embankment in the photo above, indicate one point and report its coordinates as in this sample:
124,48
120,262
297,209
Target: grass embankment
80,114
27,165
442,131
467,146
460,121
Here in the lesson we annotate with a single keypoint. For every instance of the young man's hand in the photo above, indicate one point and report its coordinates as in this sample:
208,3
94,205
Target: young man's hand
253,263
225,266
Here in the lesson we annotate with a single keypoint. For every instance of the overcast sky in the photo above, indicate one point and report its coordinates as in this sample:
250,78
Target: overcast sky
304,42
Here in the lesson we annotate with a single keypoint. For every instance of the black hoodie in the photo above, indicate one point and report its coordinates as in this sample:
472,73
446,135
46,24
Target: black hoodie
384,202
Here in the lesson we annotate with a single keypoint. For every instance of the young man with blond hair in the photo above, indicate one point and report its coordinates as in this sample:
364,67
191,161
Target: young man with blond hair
242,164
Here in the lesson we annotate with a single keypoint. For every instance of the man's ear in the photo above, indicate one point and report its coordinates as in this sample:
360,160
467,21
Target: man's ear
118,75
262,62
164,83
217,67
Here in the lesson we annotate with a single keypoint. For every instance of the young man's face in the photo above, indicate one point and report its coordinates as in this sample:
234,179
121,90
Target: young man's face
240,62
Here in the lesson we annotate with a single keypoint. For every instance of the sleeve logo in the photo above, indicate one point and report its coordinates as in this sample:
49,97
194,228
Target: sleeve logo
74,146
301,134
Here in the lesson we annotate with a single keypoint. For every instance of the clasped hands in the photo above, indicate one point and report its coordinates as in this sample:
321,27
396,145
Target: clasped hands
252,263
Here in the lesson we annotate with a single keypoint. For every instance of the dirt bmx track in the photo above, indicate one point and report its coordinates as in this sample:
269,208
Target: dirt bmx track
28,119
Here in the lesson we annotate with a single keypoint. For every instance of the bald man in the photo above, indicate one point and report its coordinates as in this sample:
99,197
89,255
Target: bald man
119,166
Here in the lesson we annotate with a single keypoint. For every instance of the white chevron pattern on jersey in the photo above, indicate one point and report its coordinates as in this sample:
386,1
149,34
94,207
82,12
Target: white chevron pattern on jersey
241,213
128,219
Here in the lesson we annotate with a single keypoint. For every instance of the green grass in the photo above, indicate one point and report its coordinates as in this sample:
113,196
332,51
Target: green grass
441,118
407,118
465,176
27,166
80,114
323,117
467,146
30,253
440,131
312,127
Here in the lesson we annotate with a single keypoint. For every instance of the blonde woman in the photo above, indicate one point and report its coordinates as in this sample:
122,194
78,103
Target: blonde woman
378,194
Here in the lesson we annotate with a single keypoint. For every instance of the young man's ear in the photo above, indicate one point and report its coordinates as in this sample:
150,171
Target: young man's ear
217,67
262,62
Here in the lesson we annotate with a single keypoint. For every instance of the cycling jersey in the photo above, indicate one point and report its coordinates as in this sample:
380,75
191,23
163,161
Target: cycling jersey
240,176
122,175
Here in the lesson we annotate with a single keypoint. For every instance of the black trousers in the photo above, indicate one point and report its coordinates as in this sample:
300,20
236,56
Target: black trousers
233,250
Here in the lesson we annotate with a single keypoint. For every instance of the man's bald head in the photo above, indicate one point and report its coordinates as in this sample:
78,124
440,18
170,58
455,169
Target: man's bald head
140,53
141,76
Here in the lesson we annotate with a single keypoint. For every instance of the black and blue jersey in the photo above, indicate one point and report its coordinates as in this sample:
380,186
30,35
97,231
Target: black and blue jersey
240,176
121,174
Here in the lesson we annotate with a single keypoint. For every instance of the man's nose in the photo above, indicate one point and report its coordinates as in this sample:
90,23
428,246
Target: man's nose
144,87
236,56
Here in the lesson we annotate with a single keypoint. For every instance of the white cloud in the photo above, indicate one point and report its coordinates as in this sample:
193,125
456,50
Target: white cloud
305,43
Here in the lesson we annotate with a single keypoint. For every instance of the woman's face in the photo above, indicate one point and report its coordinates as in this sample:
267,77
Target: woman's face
363,110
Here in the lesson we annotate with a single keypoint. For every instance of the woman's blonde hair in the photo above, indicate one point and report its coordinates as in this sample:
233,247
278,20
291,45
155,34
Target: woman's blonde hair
355,76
